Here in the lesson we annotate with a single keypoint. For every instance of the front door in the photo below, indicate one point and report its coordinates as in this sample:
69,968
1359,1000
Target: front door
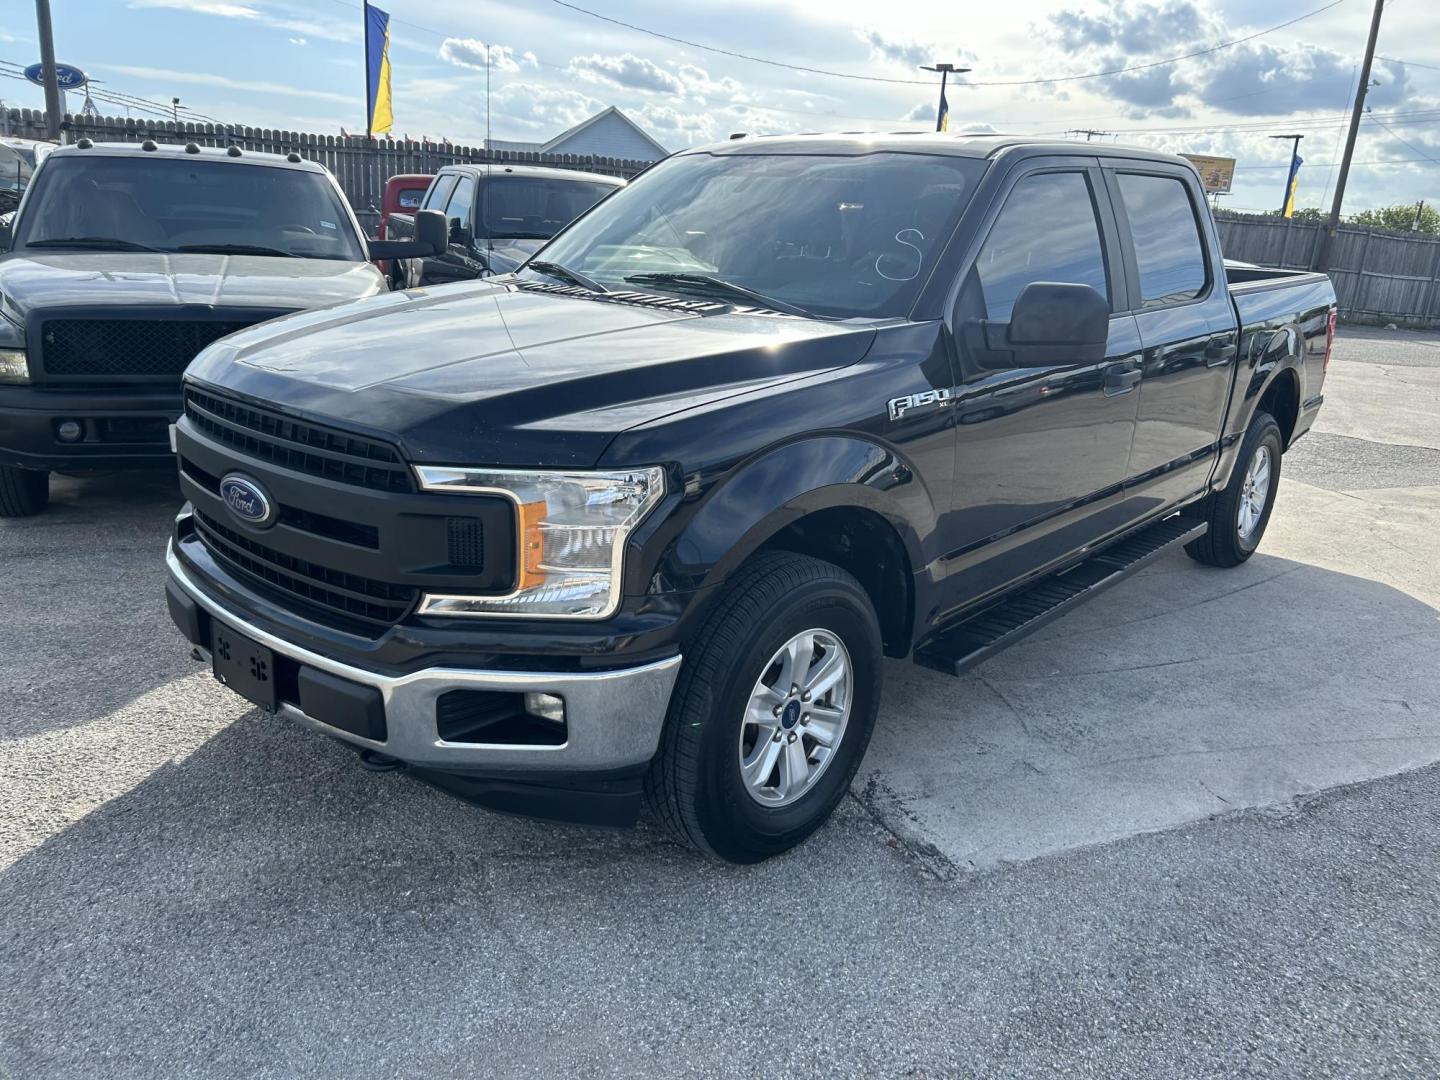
1040,451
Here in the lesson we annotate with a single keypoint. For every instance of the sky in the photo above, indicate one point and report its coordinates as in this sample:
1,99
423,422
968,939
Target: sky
298,65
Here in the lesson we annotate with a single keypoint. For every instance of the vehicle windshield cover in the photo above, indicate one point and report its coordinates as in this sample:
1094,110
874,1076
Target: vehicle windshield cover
529,208
839,236
175,205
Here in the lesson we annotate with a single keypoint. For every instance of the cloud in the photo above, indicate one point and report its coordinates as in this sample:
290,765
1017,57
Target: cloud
1136,28
629,71
202,78
898,50
1253,78
471,53
539,109
223,8
921,112
298,41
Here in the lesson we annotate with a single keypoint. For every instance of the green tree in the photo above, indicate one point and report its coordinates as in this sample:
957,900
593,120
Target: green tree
1400,217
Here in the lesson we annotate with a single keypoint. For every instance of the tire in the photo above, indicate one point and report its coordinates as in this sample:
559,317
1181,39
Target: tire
23,492
696,787
1232,538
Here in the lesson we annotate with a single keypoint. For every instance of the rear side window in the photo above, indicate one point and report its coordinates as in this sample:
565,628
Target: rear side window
458,210
1168,251
1047,231
439,192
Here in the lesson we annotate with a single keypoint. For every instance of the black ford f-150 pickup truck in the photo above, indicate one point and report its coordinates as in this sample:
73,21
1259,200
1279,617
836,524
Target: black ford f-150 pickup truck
644,517
124,261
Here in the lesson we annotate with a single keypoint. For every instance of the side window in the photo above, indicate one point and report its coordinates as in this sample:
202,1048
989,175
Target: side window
1168,251
1047,231
458,209
439,192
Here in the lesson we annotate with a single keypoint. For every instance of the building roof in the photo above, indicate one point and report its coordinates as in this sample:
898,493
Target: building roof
555,145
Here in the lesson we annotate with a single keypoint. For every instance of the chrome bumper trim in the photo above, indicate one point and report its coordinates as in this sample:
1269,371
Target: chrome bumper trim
613,717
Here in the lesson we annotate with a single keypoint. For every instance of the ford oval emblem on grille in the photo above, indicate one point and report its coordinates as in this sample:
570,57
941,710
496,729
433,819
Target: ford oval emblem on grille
247,501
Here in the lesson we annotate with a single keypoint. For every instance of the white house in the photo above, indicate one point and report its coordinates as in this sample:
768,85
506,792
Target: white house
607,134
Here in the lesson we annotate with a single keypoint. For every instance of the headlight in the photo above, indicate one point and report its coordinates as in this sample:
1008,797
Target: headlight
13,367
572,528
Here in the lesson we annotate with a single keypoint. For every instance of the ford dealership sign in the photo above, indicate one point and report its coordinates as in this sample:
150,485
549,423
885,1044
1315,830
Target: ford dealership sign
69,78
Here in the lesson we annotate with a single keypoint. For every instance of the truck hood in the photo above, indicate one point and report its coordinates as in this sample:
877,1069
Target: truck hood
495,373
67,278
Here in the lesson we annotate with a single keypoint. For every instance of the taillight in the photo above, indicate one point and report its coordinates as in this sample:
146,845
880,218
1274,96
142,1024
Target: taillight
1329,337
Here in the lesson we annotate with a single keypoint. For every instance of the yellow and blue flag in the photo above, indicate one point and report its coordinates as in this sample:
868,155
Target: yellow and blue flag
1292,183
942,121
378,115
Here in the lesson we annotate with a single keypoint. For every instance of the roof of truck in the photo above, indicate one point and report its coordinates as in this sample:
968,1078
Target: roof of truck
200,153
959,144
533,172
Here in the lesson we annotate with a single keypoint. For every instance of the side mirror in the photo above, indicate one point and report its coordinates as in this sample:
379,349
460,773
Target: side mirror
1051,323
431,238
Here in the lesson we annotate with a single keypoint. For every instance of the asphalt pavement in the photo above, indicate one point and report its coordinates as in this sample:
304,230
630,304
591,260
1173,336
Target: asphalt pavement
1189,830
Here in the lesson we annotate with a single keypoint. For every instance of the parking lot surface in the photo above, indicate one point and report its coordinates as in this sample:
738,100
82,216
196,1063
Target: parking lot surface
1188,830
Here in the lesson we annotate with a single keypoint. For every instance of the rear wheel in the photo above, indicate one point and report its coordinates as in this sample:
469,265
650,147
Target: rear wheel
1239,514
23,492
772,712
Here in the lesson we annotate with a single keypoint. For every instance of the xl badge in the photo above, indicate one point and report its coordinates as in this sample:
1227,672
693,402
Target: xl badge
247,501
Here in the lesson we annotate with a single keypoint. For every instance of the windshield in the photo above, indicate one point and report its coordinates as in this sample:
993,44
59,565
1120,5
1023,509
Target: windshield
530,208
16,165
837,236
174,205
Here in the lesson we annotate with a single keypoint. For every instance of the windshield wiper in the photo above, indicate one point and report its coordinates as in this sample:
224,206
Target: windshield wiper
91,242
235,249
566,274
711,283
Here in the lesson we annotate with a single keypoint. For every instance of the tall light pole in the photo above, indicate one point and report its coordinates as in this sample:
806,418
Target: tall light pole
942,113
47,62
1289,176
1327,239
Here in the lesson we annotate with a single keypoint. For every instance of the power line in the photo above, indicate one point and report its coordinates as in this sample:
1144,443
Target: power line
922,82
1406,141
1408,63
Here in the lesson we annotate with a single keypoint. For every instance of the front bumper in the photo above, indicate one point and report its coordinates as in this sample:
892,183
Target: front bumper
121,427
613,717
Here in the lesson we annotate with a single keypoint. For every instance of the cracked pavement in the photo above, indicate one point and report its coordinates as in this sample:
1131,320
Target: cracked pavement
1188,830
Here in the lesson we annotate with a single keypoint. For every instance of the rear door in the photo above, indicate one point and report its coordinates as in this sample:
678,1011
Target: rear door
1187,328
1041,451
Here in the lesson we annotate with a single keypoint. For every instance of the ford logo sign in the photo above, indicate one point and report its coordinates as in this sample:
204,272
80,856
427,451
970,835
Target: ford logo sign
68,78
247,501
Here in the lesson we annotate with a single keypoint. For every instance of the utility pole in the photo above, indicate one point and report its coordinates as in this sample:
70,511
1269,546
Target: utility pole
175,108
1290,175
1327,241
1089,133
942,113
47,62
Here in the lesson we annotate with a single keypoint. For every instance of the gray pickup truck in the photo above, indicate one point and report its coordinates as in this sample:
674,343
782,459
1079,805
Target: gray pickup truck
498,215
126,260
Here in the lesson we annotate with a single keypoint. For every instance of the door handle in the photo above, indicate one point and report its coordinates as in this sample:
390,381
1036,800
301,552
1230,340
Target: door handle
1220,352
1121,379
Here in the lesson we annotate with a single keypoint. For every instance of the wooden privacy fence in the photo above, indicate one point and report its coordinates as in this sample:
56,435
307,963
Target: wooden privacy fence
1380,275
361,165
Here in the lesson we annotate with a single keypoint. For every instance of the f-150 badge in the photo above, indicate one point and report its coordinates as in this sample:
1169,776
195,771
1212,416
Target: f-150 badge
901,405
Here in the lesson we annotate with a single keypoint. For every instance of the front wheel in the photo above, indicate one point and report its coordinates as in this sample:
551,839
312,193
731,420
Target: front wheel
1238,514
772,712
23,492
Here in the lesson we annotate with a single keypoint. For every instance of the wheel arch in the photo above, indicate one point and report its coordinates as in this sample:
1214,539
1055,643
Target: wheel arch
843,498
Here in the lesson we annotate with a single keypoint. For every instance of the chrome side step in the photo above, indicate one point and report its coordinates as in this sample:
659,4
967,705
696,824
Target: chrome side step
956,648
